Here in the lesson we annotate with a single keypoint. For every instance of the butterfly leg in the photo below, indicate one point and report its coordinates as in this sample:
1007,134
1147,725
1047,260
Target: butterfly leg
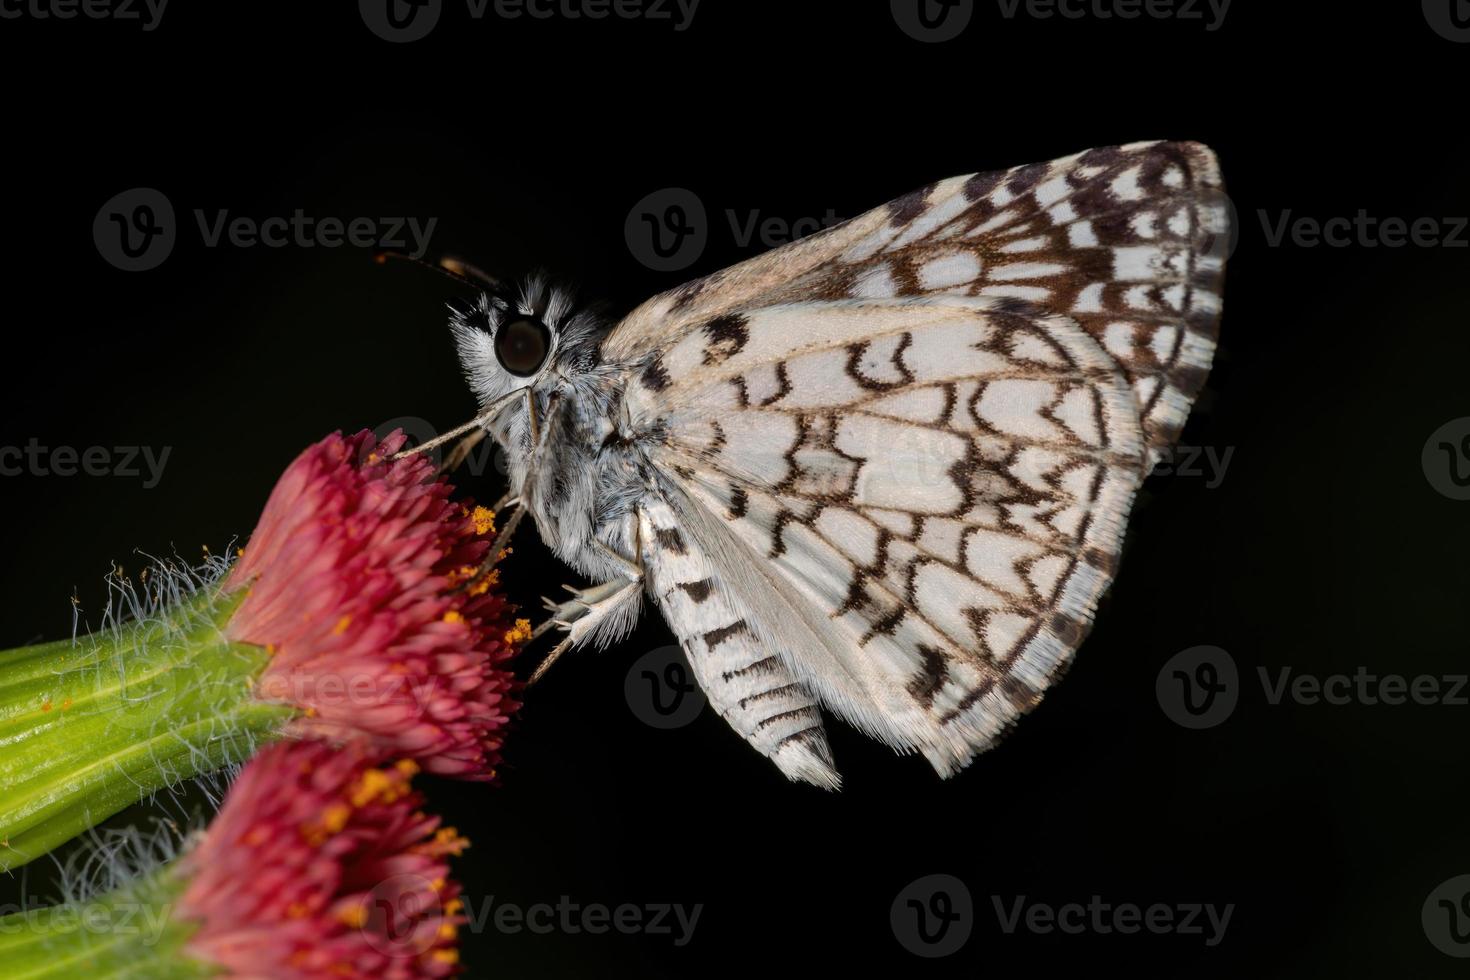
461,451
600,613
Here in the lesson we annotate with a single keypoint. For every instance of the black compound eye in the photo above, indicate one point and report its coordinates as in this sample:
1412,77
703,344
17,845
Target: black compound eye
521,345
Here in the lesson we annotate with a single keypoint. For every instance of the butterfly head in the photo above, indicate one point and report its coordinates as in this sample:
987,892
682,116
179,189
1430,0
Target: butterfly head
510,342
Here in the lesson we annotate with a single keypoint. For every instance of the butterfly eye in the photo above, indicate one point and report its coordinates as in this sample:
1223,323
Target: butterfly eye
521,346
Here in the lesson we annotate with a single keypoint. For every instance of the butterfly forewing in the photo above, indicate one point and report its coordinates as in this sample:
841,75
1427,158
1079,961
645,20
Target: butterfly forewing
1128,241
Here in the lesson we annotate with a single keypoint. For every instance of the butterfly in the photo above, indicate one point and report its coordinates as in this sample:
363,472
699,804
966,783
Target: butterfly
881,473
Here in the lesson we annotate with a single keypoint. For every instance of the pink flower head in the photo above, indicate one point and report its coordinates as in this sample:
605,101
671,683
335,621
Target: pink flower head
321,865
360,581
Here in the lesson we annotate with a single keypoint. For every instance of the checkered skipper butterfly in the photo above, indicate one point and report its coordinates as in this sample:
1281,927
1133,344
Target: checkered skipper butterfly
884,470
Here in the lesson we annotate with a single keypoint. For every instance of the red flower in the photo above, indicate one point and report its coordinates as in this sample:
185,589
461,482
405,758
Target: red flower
321,865
359,581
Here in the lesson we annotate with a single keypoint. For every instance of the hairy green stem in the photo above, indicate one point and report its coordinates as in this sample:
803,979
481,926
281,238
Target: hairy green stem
90,726
132,932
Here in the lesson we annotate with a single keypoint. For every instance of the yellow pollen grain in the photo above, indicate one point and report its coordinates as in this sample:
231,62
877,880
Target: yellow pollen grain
354,916
46,706
447,931
484,519
483,585
453,906
446,955
342,625
407,766
297,911
370,785
335,817
520,633
66,704
453,617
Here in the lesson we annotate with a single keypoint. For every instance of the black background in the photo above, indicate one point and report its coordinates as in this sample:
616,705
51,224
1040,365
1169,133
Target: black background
1323,549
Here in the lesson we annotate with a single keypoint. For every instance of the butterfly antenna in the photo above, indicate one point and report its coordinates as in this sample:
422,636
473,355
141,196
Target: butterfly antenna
452,268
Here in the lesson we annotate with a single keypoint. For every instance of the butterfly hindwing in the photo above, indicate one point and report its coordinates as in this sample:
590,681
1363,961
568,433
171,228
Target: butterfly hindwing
915,504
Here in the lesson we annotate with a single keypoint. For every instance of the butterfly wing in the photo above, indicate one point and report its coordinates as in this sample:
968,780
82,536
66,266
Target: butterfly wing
1128,241
913,504
903,451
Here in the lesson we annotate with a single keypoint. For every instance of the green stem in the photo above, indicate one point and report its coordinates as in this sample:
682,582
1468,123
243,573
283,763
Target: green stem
134,931
89,727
